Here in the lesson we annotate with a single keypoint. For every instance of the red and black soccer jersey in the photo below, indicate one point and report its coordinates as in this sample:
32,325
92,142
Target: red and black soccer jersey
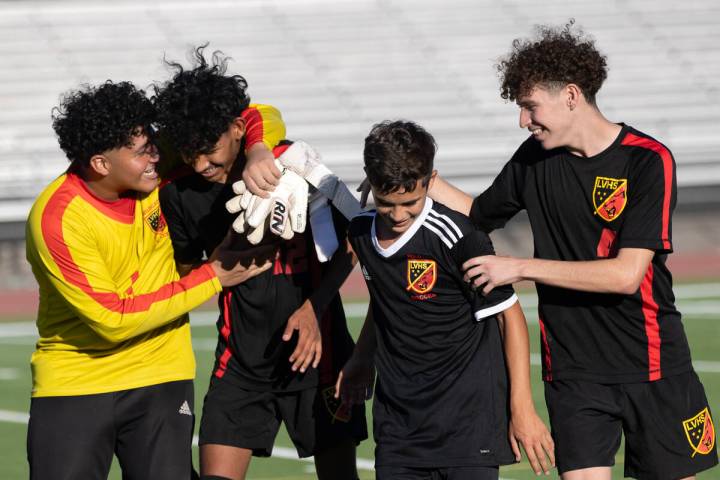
586,209
441,389
254,314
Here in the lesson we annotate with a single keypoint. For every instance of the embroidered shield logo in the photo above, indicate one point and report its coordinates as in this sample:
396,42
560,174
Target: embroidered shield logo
156,220
421,275
609,197
700,432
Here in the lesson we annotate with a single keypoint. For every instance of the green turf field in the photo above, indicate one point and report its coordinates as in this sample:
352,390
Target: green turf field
700,304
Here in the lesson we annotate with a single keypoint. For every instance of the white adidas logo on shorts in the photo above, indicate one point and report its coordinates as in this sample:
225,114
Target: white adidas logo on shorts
185,409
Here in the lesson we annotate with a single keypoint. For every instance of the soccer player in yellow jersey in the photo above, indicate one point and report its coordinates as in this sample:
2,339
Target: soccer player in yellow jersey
113,368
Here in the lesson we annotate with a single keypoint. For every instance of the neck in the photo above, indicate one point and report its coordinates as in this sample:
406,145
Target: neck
97,186
593,134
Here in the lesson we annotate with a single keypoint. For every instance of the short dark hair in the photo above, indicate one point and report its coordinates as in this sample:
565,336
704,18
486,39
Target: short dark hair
398,154
559,56
92,120
197,106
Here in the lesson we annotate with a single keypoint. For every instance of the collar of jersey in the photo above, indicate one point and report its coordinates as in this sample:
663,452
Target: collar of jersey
405,237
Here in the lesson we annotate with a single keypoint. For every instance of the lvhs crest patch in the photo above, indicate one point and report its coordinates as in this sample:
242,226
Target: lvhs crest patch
700,432
609,197
421,275
155,220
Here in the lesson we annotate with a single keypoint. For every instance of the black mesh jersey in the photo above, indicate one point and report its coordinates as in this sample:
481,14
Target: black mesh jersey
441,393
586,209
253,315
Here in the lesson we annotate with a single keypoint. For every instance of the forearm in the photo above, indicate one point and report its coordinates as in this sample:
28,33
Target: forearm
367,343
450,196
339,268
622,274
517,356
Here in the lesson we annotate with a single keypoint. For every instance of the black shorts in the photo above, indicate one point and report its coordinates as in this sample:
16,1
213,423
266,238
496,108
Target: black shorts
446,473
248,419
669,432
149,429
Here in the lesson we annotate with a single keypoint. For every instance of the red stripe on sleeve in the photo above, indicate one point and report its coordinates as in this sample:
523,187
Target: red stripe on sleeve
52,231
606,247
652,328
254,129
546,350
650,144
225,334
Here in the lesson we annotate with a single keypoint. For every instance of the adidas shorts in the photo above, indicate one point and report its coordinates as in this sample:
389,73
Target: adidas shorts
247,419
149,428
668,427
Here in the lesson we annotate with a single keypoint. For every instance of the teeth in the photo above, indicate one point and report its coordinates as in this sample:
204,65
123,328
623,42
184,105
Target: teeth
150,169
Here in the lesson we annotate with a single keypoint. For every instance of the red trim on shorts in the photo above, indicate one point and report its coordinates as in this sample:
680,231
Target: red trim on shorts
652,328
546,350
225,334
650,144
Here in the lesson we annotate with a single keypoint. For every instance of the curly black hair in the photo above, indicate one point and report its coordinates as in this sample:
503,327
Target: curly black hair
398,154
197,106
92,120
559,56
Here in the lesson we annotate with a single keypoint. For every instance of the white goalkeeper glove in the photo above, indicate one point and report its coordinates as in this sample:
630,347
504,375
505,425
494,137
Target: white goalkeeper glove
284,212
305,161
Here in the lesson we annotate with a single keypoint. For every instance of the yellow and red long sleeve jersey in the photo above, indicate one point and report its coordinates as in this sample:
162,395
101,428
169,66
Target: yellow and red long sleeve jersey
113,310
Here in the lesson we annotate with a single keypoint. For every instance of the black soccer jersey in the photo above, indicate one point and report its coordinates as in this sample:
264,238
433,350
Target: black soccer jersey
442,387
586,209
254,314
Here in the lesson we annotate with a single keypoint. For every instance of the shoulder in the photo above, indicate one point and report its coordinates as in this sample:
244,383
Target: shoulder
361,224
448,225
644,148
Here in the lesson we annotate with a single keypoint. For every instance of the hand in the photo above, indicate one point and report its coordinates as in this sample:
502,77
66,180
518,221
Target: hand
490,271
260,174
309,345
284,211
364,189
233,267
527,430
305,161
356,380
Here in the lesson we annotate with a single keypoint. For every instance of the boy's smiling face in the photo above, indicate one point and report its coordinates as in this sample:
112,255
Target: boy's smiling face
397,210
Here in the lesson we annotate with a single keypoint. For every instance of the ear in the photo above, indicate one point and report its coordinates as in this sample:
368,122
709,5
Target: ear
573,94
100,164
237,128
433,176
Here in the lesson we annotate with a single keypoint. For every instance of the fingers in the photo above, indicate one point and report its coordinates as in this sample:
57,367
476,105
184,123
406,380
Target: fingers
515,448
364,190
338,384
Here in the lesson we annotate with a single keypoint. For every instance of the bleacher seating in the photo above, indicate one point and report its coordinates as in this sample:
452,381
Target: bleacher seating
336,67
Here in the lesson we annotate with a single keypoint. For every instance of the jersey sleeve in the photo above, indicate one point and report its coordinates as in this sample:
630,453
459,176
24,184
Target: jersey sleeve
651,198
503,198
263,123
475,244
65,254
187,250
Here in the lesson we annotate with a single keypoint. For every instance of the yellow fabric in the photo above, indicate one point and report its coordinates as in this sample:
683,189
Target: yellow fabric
112,313
269,128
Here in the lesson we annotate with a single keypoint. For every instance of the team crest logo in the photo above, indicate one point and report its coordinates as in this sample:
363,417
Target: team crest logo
609,197
154,218
700,432
337,410
421,275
